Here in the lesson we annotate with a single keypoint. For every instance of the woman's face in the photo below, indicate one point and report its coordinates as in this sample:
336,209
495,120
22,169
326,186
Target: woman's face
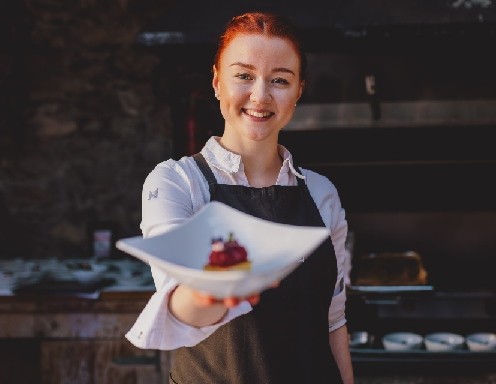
258,84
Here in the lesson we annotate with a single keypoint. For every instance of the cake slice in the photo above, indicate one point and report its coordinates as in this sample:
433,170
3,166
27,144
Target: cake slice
227,255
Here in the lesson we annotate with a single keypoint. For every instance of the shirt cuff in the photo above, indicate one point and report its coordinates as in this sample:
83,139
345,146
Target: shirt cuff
157,328
337,316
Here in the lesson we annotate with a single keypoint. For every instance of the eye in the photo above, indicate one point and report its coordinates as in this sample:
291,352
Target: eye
280,80
243,76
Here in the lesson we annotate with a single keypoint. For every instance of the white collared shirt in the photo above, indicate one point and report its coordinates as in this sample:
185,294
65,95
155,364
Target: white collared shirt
173,192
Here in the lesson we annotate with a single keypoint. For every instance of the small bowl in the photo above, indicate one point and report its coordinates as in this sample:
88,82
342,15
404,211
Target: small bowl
88,275
443,341
360,339
481,341
402,341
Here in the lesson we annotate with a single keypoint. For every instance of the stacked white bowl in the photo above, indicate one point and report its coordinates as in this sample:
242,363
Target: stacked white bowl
443,341
402,341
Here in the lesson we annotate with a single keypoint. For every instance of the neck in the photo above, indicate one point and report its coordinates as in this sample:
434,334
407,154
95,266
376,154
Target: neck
261,160
262,169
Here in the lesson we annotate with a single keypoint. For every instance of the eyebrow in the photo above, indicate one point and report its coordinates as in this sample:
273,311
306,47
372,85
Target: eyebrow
252,67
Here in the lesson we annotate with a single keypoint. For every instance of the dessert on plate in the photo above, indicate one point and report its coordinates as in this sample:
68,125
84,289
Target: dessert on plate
227,255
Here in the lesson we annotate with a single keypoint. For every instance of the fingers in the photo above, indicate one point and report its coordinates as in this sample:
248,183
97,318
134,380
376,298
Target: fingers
254,300
204,300
230,302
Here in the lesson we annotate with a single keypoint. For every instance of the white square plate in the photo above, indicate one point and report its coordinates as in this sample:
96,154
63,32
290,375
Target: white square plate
275,250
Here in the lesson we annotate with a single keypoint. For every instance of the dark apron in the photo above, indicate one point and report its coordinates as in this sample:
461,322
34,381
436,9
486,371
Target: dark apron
285,338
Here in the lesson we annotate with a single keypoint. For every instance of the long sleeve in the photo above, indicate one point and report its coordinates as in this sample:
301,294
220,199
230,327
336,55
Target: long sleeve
167,202
326,197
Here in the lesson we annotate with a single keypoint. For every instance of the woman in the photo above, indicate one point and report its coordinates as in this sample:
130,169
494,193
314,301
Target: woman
292,333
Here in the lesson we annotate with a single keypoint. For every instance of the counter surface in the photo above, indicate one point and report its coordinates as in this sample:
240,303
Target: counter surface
85,278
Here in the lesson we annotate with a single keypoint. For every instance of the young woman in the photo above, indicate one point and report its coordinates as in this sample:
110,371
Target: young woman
296,331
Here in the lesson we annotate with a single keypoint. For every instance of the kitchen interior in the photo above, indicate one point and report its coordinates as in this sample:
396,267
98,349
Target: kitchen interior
398,112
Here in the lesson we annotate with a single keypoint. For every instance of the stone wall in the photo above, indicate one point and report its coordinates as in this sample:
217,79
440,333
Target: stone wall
80,122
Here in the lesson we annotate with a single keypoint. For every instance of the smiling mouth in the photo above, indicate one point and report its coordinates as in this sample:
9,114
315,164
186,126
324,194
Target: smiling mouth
256,114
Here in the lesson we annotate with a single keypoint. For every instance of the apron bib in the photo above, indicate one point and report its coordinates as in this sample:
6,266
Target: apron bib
285,338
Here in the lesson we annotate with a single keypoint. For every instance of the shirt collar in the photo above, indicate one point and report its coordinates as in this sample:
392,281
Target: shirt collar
220,158
287,161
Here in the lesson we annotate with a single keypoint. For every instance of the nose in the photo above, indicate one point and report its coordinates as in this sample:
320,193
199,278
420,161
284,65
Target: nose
260,93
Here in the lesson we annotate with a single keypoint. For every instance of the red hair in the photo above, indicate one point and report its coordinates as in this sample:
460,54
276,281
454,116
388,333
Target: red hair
260,23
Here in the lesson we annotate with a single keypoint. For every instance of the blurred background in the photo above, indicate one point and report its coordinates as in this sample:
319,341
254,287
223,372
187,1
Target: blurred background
399,112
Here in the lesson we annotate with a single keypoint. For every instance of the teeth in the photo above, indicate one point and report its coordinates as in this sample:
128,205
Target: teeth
257,114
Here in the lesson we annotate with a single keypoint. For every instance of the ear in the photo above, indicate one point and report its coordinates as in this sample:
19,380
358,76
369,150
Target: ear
300,91
215,79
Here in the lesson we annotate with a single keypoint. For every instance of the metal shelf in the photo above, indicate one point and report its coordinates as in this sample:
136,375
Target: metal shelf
422,356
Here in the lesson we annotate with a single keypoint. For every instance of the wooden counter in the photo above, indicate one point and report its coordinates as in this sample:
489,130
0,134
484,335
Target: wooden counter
63,339
66,339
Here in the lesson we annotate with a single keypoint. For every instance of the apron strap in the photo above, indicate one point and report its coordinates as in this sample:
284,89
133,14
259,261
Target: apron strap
205,168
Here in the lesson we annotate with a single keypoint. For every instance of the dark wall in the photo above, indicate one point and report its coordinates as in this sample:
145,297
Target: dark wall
80,122
415,163
87,112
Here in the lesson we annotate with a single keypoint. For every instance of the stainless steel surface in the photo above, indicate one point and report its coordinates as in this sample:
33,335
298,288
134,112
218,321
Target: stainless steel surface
391,288
397,114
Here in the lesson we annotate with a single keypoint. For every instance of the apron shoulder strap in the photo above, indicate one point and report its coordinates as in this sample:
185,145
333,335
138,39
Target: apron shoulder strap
205,168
